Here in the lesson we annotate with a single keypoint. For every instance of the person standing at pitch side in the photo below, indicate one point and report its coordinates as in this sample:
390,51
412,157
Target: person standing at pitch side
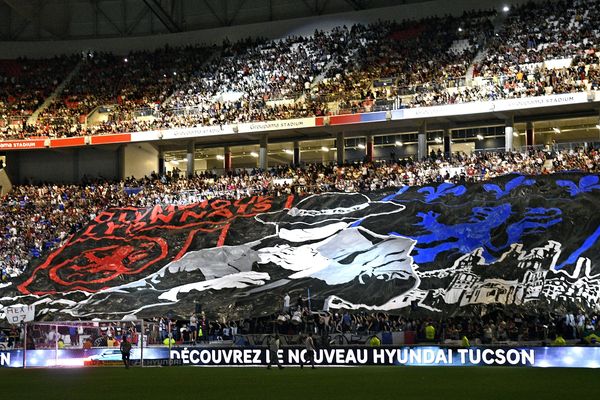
309,344
274,345
125,351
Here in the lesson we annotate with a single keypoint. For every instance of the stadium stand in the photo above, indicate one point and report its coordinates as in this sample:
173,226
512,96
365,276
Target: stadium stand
352,69
24,86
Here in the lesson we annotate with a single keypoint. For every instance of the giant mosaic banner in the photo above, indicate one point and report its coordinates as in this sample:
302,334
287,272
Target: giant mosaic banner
522,242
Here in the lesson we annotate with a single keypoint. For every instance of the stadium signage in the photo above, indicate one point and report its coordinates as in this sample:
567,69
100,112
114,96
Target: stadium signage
221,356
68,142
5,359
493,106
22,144
564,357
440,111
276,125
344,356
542,101
109,139
145,136
196,132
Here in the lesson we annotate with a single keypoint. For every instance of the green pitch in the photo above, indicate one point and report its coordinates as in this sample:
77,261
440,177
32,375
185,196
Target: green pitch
292,383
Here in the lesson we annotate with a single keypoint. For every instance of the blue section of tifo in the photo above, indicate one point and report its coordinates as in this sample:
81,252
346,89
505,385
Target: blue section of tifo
509,187
586,185
397,194
587,244
477,231
444,189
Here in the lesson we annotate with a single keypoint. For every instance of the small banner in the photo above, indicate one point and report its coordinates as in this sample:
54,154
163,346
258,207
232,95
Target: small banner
17,314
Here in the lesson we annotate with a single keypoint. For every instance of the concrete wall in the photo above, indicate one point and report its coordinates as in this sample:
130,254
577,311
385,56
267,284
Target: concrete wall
5,183
73,165
490,143
139,160
63,166
384,153
99,162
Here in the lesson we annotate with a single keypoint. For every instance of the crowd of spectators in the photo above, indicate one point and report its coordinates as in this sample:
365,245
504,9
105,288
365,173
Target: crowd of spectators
330,328
413,53
139,80
356,327
535,33
339,327
494,328
35,219
26,83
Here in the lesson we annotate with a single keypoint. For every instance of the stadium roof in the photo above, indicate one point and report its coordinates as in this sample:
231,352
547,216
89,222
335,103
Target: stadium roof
82,19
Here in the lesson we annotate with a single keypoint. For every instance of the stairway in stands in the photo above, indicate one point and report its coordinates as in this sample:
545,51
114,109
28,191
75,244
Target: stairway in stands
317,80
498,24
34,116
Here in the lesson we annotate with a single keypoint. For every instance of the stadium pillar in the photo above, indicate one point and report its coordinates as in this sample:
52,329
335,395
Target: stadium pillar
12,166
296,159
548,140
227,158
530,135
190,159
447,143
262,153
508,134
161,162
339,144
422,142
121,161
76,165
370,148
324,157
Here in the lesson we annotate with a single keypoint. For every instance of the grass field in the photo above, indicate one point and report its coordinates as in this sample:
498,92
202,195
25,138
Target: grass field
379,383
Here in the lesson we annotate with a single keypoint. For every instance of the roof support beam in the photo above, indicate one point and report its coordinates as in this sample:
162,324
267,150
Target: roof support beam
17,32
312,10
31,11
162,16
138,18
235,13
99,11
322,8
214,13
316,9
358,4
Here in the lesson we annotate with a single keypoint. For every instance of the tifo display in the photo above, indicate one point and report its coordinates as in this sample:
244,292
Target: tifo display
440,247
